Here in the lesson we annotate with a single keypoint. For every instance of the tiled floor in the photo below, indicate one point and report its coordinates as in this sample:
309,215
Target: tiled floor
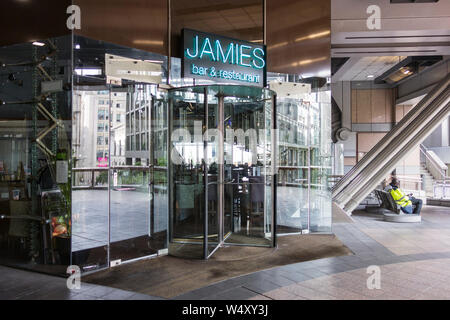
24,285
414,262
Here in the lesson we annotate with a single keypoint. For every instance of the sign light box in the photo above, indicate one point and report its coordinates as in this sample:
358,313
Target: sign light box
221,59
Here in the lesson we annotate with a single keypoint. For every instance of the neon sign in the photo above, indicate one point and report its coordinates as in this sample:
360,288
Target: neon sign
222,59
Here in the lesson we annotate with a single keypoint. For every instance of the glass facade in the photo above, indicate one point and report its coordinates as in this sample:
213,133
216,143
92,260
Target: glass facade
304,157
35,156
87,170
120,170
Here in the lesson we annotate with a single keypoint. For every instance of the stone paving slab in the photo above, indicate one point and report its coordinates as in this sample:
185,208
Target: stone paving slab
414,262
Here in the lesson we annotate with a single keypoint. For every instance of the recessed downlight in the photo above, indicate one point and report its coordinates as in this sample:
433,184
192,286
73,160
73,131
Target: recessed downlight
38,44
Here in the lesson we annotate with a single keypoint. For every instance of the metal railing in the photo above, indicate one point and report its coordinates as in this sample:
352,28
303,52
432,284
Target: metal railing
441,189
432,163
410,183
97,177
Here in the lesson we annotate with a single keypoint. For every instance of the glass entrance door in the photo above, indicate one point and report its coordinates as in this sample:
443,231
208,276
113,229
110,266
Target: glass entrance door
130,191
220,171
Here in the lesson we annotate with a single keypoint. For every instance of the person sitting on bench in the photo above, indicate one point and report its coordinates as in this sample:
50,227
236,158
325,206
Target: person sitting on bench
406,203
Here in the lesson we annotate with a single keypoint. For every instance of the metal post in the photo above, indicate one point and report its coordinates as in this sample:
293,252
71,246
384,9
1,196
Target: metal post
169,38
274,137
108,255
205,175
171,182
220,180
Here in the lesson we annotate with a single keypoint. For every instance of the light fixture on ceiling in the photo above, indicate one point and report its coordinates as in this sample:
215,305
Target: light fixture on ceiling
88,71
38,44
407,68
370,76
314,36
147,42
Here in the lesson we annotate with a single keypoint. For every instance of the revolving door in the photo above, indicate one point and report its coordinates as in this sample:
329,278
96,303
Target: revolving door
221,169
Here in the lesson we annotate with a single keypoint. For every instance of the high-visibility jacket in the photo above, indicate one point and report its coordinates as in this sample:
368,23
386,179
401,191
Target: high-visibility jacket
400,197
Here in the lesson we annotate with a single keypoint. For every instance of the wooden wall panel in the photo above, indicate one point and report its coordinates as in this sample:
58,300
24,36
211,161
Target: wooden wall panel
367,140
364,106
354,107
378,102
389,105
372,106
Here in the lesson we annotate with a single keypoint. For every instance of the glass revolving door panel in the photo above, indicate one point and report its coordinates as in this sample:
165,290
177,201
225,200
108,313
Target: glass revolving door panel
220,170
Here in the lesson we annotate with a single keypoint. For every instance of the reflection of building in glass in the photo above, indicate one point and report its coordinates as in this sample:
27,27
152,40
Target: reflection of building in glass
91,125
304,157
118,127
138,125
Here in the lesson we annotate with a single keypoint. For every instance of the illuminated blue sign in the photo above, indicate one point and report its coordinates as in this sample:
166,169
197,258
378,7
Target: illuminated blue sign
221,59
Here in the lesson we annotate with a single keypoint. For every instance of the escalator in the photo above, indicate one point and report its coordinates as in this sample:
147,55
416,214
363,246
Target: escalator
395,146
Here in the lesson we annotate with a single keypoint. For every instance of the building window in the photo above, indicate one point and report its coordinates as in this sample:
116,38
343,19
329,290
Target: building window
101,114
118,117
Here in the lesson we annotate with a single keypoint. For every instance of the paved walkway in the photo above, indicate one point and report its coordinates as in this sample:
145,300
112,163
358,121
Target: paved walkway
25,285
414,261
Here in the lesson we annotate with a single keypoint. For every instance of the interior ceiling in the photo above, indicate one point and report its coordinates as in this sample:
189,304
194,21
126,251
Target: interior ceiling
359,68
25,21
140,24
298,37
241,19
298,31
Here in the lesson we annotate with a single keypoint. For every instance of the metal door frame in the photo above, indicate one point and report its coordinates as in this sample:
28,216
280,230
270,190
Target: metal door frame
220,180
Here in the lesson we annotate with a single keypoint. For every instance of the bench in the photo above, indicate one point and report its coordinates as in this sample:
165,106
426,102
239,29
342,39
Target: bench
388,203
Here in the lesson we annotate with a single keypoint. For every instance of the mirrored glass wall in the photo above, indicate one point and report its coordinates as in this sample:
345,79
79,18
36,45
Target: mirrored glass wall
84,161
120,157
304,155
35,155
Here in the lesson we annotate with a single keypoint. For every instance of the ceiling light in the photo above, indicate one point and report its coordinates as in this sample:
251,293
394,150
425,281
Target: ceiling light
313,36
370,76
38,44
88,71
405,70
148,42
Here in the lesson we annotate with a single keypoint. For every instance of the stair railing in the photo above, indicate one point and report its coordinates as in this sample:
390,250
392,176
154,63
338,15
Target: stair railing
432,163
